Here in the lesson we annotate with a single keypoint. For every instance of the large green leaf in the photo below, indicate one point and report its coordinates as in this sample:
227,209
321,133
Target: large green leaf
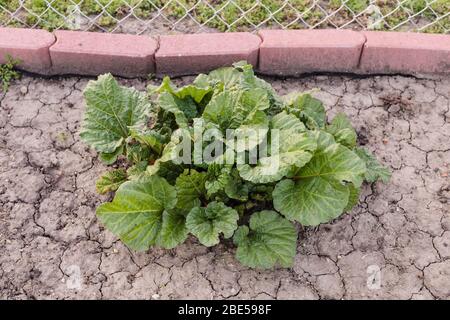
240,77
207,223
335,162
248,137
141,214
310,110
229,78
342,130
250,120
319,194
190,188
220,109
249,108
110,110
323,140
310,201
270,239
375,170
250,81
285,121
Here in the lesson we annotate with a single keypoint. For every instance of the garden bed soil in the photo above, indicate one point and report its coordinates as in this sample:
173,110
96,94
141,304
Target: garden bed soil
52,245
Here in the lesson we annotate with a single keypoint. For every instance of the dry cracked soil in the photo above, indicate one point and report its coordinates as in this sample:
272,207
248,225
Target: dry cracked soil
394,244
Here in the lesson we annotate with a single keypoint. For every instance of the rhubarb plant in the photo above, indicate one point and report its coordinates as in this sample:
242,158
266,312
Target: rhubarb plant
224,158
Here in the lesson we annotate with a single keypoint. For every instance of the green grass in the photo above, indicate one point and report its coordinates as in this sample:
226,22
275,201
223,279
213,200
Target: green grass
421,7
354,5
8,73
228,16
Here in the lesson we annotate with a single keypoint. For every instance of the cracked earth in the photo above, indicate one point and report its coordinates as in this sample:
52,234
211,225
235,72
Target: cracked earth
52,245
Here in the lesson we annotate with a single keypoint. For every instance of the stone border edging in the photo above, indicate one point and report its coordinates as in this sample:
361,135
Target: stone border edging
297,52
31,47
89,53
272,52
195,53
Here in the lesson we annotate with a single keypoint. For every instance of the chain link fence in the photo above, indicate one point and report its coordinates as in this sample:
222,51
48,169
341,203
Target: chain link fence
190,16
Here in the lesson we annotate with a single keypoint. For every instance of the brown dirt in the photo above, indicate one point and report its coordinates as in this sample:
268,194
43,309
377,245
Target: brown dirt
49,233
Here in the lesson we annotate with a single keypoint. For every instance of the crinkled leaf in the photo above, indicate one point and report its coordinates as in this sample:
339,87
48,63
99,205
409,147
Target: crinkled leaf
375,171
251,135
166,169
250,81
238,109
335,162
196,91
323,140
261,192
184,110
207,223
269,240
110,110
342,130
202,81
310,110
110,181
235,188
239,77
169,150
273,168
175,150
190,188
137,152
295,150
284,121
219,110
319,194
137,171
110,158
229,77
149,137
224,179
218,177
310,201
136,213
249,107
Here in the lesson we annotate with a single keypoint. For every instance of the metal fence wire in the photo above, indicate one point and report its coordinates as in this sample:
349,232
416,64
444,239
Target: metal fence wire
190,16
